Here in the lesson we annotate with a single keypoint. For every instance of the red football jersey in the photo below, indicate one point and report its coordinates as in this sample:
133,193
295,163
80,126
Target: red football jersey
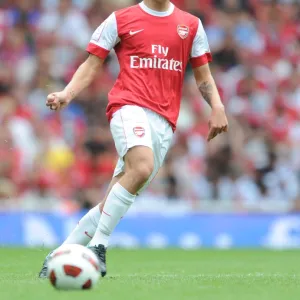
153,49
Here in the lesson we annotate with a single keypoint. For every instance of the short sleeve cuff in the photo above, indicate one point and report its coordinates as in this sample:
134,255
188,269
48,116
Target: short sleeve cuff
97,50
201,60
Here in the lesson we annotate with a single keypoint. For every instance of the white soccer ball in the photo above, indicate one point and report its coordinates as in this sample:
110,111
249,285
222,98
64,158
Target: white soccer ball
73,267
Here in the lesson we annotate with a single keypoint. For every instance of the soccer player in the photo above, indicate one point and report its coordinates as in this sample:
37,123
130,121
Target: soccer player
154,41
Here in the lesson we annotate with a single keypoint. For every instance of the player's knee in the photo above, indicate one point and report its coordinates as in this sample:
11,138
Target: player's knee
143,170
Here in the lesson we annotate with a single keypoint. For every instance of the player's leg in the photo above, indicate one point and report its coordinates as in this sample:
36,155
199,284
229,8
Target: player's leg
132,135
86,227
139,165
114,180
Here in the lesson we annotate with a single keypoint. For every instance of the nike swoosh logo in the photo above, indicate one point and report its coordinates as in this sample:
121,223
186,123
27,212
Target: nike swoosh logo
87,234
135,32
106,213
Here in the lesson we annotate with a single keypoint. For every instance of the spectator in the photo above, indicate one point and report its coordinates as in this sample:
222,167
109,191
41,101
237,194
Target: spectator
64,161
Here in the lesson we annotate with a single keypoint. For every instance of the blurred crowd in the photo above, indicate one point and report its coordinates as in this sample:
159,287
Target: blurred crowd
64,161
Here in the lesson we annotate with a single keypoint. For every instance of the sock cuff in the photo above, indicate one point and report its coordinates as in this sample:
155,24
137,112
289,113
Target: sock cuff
121,193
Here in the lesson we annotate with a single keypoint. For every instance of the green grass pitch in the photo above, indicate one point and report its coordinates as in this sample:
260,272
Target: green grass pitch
163,275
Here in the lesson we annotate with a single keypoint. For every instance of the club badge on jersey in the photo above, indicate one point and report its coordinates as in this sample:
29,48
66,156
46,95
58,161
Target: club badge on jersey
183,31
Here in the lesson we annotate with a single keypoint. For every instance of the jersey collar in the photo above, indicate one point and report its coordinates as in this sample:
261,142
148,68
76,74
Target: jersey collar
157,13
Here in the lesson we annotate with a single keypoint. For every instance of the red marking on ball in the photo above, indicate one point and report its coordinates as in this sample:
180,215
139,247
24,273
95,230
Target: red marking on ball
92,262
59,253
52,278
72,270
87,285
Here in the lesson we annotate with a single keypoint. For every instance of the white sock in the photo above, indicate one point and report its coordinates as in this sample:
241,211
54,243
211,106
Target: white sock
117,204
85,229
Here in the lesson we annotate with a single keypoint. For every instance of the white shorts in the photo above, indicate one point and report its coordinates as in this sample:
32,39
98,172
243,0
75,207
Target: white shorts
136,126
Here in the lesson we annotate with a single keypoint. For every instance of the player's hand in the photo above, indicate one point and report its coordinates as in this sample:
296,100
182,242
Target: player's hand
57,101
218,122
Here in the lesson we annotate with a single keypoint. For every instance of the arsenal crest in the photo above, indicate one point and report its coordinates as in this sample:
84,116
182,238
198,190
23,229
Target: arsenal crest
183,31
139,131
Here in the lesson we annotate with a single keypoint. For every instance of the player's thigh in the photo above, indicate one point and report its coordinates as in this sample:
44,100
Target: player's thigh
132,134
166,144
139,156
162,141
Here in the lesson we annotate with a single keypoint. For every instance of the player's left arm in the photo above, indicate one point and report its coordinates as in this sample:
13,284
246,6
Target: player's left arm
206,84
200,57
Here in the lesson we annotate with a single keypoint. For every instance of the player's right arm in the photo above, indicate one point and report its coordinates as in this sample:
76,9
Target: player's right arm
83,77
102,42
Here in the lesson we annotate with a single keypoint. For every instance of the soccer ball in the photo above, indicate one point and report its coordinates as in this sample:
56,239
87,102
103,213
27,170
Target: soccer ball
73,267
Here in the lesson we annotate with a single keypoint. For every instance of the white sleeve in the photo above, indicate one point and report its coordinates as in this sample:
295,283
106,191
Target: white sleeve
104,38
200,53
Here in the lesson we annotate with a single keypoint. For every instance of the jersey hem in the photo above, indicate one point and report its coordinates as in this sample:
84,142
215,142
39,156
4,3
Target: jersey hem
110,113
